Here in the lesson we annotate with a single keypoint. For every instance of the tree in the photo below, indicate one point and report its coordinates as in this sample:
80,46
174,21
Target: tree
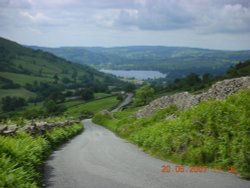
74,75
120,97
87,94
207,77
12,103
143,95
56,78
192,79
52,108
66,80
57,96
129,87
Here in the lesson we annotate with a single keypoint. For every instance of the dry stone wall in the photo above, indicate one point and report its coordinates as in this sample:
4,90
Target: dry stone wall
184,100
34,128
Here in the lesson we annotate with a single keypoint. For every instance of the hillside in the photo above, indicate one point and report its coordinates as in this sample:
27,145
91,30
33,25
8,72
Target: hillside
23,69
176,61
213,133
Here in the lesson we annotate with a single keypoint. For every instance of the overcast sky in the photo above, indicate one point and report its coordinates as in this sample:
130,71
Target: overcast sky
217,24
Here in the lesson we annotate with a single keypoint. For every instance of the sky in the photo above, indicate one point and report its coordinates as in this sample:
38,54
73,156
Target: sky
214,24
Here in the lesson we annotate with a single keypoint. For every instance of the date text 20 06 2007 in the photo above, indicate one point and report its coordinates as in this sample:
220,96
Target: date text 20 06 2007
193,169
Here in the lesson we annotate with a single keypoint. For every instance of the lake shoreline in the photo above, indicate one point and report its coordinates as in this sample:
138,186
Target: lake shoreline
136,74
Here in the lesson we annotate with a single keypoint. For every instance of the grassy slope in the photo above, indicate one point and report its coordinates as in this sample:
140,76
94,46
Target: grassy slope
17,93
22,79
74,108
212,133
24,65
93,106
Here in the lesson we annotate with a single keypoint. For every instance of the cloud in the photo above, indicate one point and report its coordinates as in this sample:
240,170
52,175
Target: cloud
101,4
231,18
201,16
24,4
36,18
204,16
102,21
158,15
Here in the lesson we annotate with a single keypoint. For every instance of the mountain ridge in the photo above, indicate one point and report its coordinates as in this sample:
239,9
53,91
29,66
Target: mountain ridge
176,61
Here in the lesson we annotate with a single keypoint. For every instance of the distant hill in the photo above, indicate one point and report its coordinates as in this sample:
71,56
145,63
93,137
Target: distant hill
176,61
23,71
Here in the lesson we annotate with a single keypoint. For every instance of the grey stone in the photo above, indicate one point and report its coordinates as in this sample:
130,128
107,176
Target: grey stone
3,128
42,125
35,127
12,128
184,100
9,132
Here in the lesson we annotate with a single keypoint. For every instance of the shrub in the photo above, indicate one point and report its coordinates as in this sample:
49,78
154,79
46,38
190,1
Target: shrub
12,103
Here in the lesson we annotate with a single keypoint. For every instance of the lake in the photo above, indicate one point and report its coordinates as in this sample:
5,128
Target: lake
137,74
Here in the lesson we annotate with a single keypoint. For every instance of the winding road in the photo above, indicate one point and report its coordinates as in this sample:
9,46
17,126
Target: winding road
124,103
99,159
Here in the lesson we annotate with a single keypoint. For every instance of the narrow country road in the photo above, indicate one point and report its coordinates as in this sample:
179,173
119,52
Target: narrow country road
127,100
99,159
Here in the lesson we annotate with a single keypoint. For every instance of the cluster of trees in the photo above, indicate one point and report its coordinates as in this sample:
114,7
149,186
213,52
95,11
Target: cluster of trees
86,94
144,95
50,107
241,69
194,82
191,82
53,108
12,103
45,91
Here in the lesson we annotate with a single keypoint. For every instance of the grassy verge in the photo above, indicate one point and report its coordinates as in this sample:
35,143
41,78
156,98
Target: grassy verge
212,133
21,156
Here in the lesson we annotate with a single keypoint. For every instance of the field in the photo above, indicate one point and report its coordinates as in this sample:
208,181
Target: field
22,79
17,93
93,106
101,95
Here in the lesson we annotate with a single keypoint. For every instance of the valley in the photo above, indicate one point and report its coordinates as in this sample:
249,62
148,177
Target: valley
147,109
124,94
174,61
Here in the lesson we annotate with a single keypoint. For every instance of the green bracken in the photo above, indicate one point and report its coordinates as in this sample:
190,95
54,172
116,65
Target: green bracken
211,133
22,155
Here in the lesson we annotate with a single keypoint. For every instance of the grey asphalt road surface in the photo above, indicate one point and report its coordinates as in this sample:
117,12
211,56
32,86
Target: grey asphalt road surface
127,100
99,159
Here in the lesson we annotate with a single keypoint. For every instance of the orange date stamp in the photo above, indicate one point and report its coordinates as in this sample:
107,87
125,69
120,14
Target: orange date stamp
196,169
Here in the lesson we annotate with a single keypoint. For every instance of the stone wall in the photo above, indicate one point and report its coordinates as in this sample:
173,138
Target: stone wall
34,128
184,100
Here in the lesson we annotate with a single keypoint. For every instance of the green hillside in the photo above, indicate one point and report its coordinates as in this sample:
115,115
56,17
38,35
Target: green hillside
33,78
176,61
213,133
21,67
